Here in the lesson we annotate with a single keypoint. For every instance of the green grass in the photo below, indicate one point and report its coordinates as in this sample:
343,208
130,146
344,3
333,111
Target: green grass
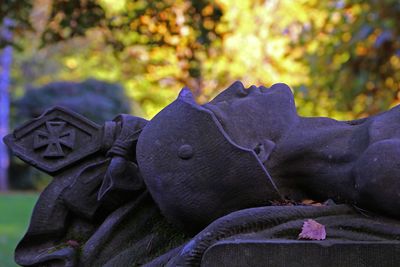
15,211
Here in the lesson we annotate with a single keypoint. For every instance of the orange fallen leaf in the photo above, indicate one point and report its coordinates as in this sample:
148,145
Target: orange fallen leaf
312,230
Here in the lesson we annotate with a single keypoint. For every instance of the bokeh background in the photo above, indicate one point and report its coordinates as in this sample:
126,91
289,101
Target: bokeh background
104,57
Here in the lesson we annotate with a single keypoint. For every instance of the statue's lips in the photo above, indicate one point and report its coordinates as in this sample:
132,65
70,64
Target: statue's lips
199,189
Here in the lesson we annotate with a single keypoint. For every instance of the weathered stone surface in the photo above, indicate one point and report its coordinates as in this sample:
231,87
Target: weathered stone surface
57,139
285,253
283,224
214,170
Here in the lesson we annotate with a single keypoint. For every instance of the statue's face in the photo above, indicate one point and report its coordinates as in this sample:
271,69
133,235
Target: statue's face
193,169
251,116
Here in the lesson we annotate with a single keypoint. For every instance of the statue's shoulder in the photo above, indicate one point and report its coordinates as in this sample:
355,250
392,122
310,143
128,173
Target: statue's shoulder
385,125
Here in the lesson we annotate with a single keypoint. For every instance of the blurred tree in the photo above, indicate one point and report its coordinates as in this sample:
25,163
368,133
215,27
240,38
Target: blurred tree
183,29
97,100
66,20
257,50
158,46
340,56
14,19
17,11
353,54
5,65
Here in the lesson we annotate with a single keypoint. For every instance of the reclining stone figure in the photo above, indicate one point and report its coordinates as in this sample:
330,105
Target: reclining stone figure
249,147
246,148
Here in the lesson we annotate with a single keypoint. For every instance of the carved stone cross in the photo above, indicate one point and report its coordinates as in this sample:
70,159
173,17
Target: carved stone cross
53,139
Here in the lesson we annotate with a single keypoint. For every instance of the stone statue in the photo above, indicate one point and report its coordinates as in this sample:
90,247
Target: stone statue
131,190
258,149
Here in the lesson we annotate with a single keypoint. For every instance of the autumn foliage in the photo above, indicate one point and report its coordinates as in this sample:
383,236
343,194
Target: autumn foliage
342,58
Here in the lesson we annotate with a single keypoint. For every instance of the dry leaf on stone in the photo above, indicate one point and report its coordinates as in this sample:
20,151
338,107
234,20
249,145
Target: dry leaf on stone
312,230
73,243
311,202
284,202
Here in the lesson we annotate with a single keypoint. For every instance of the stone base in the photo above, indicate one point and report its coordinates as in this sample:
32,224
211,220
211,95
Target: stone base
285,253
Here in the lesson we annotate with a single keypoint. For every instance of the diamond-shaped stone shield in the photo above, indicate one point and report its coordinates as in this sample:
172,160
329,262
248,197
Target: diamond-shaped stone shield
58,138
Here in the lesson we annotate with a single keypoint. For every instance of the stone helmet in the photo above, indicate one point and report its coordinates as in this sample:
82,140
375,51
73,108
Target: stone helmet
194,170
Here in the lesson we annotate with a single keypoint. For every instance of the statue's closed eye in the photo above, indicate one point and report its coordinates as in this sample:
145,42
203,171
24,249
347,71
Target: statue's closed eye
185,152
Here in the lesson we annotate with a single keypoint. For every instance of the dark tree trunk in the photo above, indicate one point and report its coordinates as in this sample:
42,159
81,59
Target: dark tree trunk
5,65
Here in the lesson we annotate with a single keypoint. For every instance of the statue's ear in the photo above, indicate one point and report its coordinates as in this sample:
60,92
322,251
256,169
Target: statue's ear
264,149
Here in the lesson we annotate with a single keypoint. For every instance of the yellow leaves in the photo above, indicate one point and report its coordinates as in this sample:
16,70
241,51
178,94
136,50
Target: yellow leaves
395,61
172,39
360,102
389,82
291,11
356,9
71,63
297,53
336,17
185,31
370,85
207,11
312,47
113,6
162,28
276,48
145,19
258,49
339,59
372,37
208,24
305,43
361,50
346,37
